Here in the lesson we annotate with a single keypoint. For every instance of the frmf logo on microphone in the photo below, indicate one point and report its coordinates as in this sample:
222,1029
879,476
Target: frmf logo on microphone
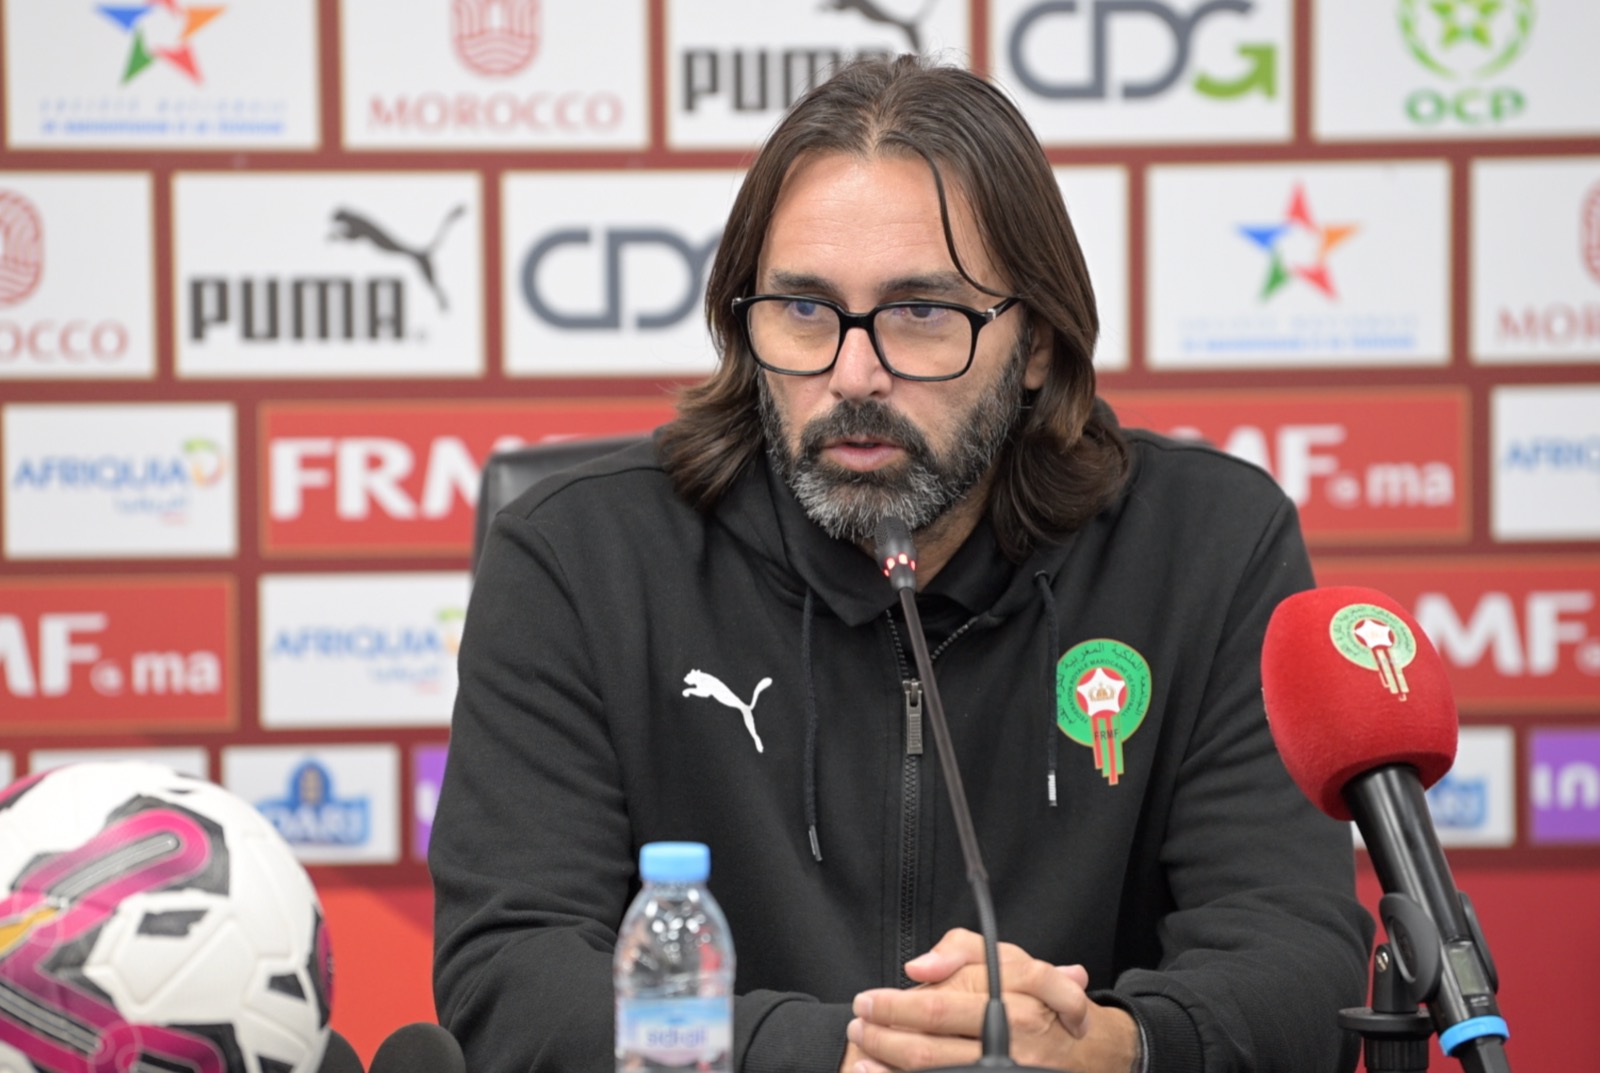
1377,640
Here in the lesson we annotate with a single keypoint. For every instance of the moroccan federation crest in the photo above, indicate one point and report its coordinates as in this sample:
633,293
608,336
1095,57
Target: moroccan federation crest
1102,696
1377,640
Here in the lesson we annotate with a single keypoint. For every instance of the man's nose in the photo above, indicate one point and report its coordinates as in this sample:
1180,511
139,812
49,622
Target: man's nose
858,374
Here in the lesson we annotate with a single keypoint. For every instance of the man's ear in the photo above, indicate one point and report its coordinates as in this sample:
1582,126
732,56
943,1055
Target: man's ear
1040,354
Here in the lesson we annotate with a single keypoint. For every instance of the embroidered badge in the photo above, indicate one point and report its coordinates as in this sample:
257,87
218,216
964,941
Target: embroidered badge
1102,695
702,684
1377,640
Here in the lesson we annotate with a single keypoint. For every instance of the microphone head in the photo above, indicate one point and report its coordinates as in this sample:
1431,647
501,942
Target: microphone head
339,1056
422,1047
896,551
1351,683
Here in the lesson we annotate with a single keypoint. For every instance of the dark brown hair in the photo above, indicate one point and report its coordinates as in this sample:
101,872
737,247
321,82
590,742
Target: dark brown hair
1067,459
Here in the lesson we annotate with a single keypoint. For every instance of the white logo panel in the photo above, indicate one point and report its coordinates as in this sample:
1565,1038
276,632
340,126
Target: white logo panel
733,67
333,804
1105,72
124,481
1536,260
1097,202
1298,265
337,274
1546,462
605,273
360,650
1412,69
76,286
161,75
495,74
1475,803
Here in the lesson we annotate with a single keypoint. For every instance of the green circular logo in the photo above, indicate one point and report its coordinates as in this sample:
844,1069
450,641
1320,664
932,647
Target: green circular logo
1369,636
1377,640
1102,696
1466,38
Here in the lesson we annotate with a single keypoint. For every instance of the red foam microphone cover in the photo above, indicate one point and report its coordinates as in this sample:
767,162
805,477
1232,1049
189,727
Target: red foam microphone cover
1351,683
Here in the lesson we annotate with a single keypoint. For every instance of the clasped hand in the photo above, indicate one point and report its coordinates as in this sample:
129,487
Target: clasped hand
1054,1024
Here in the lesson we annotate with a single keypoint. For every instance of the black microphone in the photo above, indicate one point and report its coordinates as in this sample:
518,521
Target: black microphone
897,553
1360,708
422,1047
339,1057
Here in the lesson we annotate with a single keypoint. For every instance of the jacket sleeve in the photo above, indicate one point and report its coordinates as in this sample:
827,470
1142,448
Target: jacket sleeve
1267,941
532,852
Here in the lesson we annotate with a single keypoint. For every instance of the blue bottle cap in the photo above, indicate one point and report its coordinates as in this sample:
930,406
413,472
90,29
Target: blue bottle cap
675,862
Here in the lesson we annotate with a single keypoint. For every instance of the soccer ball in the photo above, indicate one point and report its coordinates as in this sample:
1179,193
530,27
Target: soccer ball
154,921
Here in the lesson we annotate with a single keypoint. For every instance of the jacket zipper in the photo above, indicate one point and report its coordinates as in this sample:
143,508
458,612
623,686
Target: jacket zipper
910,816
913,690
911,798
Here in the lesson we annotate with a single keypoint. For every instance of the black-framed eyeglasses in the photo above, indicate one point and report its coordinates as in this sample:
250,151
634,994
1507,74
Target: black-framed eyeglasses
915,340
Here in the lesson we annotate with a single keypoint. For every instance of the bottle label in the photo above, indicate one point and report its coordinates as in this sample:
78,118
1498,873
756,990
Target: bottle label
676,1032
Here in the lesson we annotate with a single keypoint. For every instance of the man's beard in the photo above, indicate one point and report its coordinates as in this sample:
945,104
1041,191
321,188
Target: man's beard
847,504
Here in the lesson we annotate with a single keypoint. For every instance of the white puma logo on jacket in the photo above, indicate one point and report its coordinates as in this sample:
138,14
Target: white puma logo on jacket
702,684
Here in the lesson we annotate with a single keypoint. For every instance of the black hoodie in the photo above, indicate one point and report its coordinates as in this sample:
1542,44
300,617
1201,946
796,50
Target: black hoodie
635,670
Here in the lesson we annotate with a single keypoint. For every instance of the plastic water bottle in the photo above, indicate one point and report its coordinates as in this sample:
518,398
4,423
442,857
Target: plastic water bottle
673,968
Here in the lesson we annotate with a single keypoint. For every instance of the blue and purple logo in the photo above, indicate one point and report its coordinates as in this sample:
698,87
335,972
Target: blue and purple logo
1564,786
427,766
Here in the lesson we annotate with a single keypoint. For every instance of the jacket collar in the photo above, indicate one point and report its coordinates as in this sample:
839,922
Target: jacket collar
762,510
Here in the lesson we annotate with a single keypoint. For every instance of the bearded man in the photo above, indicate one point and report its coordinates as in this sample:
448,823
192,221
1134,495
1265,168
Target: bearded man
905,328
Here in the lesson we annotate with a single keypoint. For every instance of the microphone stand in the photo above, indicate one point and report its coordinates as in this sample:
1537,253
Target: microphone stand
1443,957
1407,970
1394,1032
898,555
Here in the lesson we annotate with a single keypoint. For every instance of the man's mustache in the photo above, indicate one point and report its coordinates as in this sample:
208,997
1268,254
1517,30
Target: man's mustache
862,421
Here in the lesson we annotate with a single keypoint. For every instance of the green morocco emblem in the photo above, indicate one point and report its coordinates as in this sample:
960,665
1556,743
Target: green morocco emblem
1377,640
1102,695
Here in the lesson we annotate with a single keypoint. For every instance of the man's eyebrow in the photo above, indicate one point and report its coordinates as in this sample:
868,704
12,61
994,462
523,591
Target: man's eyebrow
930,285
938,284
799,282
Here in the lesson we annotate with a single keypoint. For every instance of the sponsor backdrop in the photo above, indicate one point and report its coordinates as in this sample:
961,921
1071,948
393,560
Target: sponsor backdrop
277,275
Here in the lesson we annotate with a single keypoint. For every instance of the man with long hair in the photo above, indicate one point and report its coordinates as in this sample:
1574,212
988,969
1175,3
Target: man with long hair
690,639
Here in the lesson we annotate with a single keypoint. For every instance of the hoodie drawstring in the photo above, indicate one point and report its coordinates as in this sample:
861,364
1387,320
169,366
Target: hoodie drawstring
1053,746
811,725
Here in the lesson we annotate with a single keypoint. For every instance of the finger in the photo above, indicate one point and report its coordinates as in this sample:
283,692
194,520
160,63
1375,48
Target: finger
960,950
902,1049
869,1065
1020,972
957,948
1062,989
1078,973
973,979
936,1011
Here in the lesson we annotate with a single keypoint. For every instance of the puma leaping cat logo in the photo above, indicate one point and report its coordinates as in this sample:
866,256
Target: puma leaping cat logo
702,684
874,13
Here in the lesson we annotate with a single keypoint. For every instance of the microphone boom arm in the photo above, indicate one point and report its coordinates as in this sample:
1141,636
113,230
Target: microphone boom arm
996,1031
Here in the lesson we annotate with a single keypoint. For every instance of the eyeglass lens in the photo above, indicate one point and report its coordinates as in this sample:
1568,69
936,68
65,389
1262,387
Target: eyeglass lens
797,336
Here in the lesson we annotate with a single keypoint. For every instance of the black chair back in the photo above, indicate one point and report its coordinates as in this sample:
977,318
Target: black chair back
507,474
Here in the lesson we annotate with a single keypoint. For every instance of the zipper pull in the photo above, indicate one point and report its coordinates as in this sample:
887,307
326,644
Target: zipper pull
913,690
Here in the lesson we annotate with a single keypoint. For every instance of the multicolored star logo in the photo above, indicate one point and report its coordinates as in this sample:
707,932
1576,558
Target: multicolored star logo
1297,223
130,17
